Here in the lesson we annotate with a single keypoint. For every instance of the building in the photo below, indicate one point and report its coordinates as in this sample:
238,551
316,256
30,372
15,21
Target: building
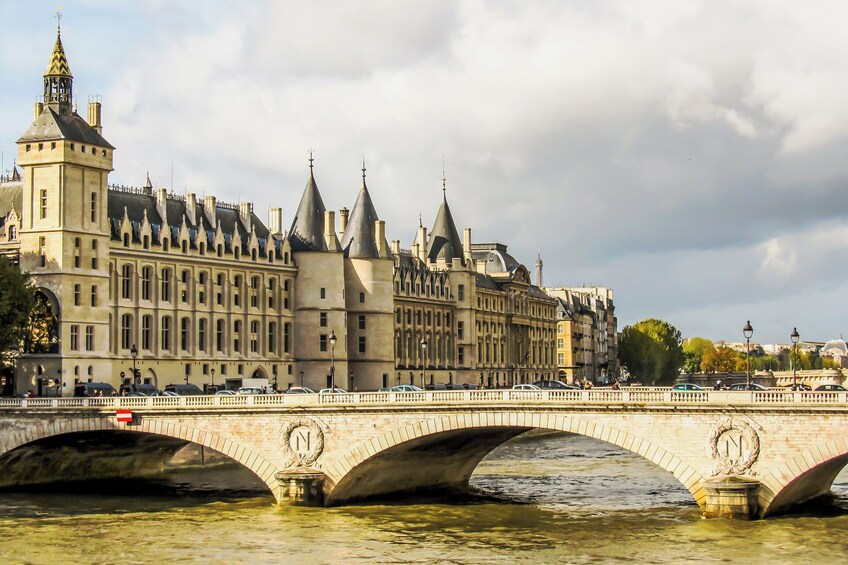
587,334
174,288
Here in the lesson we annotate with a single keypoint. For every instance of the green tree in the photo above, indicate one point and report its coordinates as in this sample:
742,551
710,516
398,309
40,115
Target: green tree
16,300
693,351
720,359
652,351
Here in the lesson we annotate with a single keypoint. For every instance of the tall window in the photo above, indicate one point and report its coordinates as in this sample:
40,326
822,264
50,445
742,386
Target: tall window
166,285
93,206
42,251
219,337
166,333
460,292
89,338
237,291
460,330
146,278
287,337
77,294
94,254
75,337
201,334
126,331
94,295
272,337
146,332
254,337
126,281
237,337
77,252
322,342
362,344
361,321
184,334
322,319
362,297
43,198
254,292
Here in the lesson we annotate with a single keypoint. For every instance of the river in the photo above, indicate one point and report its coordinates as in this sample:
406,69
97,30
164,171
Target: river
553,498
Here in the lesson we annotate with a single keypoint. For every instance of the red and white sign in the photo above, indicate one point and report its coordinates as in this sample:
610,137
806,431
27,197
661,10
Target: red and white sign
124,415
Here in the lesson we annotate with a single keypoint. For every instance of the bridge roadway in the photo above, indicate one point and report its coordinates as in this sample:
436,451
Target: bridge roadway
740,454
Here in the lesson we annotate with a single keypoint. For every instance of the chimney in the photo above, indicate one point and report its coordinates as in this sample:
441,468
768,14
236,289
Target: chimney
161,196
422,243
275,221
39,107
329,230
94,107
380,236
209,206
191,208
466,244
415,248
343,220
395,247
245,211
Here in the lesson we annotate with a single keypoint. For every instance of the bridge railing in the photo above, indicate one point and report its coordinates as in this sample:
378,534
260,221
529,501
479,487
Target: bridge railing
593,396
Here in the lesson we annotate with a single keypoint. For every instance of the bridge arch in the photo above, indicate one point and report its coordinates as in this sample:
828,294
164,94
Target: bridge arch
805,476
470,437
247,458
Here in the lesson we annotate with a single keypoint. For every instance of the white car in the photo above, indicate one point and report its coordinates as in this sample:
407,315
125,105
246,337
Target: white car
336,390
250,390
525,386
405,388
225,392
300,390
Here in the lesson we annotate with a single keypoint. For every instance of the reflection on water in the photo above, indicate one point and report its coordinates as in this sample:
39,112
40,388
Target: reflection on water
546,499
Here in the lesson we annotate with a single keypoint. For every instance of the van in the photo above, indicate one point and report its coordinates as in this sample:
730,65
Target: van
184,390
94,390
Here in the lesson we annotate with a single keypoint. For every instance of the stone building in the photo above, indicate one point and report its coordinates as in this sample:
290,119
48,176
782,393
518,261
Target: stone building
202,291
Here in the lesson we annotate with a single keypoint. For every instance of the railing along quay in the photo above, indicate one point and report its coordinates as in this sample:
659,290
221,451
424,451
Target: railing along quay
639,396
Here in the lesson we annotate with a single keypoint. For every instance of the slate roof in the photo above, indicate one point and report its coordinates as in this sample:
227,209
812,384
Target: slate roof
359,240
51,125
444,240
307,229
10,197
58,65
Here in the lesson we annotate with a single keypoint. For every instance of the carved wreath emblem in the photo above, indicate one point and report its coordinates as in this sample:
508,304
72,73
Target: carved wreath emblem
303,442
735,447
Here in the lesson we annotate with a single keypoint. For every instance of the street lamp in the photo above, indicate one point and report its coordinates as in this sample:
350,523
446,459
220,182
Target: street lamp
423,359
134,354
748,331
213,377
794,336
301,379
332,359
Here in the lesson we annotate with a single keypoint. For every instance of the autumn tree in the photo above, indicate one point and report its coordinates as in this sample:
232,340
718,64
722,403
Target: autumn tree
693,352
16,300
721,359
652,351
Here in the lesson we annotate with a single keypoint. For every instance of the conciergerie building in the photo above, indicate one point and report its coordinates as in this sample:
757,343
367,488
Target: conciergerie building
197,290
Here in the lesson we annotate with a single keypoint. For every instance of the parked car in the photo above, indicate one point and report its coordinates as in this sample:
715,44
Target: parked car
169,393
799,386
686,387
183,389
94,390
830,388
250,390
147,389
225,392
744,386
300,390
336,390
555,385
525,386
405,388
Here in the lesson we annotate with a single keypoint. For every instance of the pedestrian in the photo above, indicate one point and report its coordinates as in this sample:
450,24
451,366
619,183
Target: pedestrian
616,386
717,385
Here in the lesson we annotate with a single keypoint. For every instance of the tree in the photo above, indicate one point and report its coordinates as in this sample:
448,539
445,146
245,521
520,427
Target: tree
720,359
16,300
693,351
652,351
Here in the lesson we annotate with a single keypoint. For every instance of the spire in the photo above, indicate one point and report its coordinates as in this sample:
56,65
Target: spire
16,176
307,229
444,239
359,238
539,269
58,80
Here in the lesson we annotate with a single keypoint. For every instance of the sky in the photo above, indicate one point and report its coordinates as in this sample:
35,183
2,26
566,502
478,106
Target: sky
690,155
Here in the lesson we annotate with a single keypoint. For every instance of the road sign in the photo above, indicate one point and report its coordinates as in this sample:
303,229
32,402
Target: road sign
124,415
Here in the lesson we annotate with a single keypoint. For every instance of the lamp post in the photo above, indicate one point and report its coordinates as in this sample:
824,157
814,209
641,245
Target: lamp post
748,331
332,359
423,360
794,336
213,377
134,354
301,379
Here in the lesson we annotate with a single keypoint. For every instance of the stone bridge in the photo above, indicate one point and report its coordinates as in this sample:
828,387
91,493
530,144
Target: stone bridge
740,454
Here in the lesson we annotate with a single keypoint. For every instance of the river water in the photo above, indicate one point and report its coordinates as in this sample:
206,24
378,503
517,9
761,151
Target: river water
554,498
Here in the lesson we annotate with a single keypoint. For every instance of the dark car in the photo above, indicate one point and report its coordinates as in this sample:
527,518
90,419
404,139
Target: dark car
686,387
551,384
94,390
147,389
184,390
830,388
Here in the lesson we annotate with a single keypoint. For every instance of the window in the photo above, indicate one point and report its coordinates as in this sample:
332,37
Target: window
94,295
93,206
146,332
166,285
322,319
237,336
362,322
13,233
254,292
323,293
322,342
287,337
272,337
236,288
126,281
460,330
94,254
166,333
254,337
43,198
126,331
201,334
560,344
219,338
75,337
460,292
77,293
77,245
146,276
42,251
361,297
89,338
185,327
362,344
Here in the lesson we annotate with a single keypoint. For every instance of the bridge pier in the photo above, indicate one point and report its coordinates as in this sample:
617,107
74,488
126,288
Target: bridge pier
732,497
301,487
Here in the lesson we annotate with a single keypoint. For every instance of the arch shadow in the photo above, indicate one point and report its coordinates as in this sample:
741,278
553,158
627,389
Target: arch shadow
442,453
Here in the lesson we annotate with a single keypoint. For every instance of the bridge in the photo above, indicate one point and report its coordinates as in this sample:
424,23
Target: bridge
740,454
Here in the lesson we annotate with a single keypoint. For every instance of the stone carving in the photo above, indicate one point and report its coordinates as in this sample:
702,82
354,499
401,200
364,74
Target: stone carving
303,442
735,447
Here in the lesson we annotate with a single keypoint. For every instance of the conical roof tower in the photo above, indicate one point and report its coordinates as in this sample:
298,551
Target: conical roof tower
444,239
307,229
359,238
